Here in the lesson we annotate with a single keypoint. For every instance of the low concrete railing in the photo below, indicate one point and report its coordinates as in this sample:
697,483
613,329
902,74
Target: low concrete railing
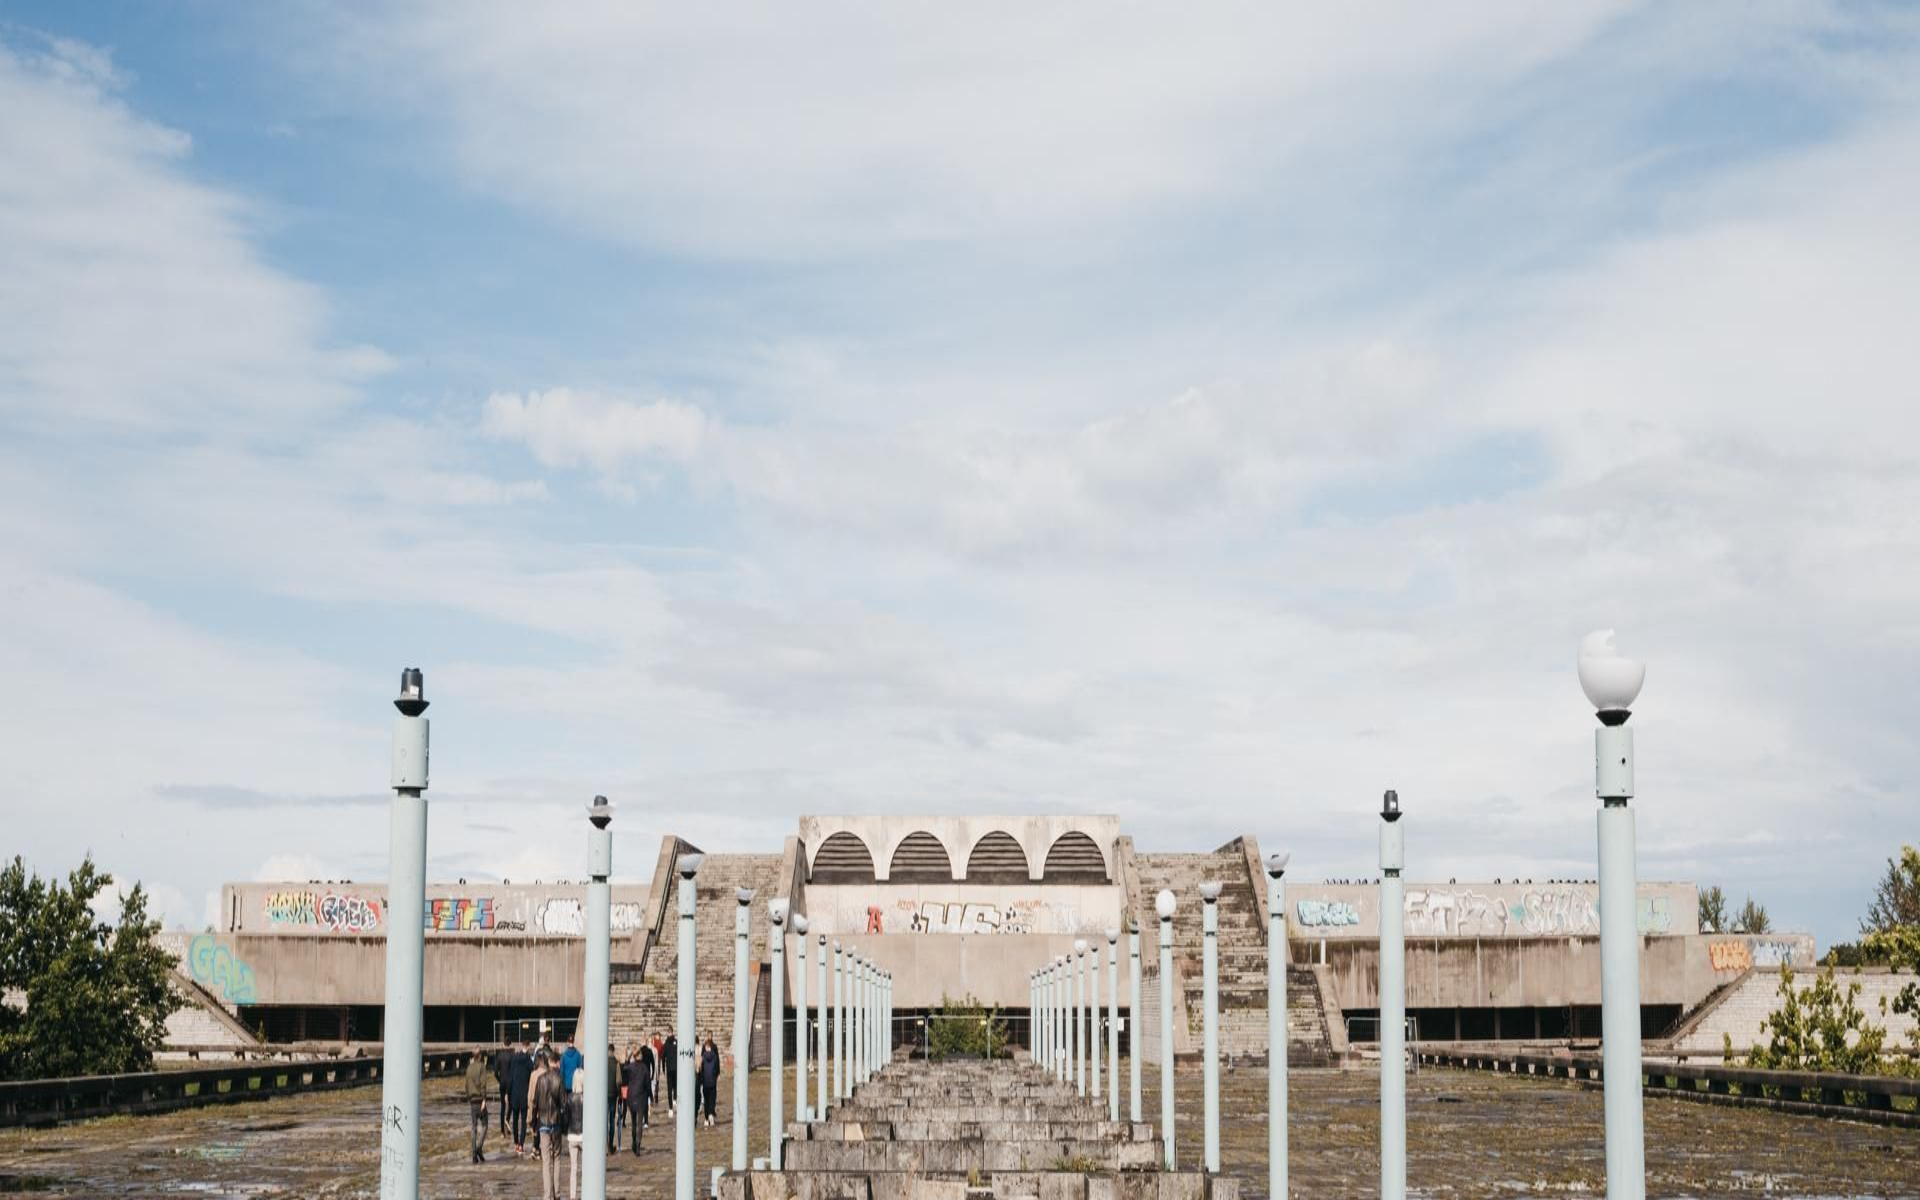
1853,1097
53,1101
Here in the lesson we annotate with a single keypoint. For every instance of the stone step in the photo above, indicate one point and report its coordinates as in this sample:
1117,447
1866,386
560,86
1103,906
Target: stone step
1004,1185
965,1156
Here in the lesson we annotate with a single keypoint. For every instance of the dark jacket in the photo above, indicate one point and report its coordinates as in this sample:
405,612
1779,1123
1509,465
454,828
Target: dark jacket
474,1086
549,1099
710,1065
519,1073
670,1059
576,1114
639,1078
502,1064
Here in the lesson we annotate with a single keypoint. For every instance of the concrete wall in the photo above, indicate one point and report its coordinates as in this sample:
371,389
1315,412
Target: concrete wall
479,910
1483,910
1538,972
964,908
991,969
1036,835
276,969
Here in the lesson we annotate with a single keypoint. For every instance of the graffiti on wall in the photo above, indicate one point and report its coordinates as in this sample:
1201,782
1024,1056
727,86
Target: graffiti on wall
333,911
1653,915
459,914
1738,956
566,916
1436,913
1319,913
910,914
214,967
1772,954
1561,911
933,916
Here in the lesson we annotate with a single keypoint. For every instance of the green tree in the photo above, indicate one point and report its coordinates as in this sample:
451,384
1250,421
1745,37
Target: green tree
97,995
1896,903
1752,918
1819,1028
1713,910
965,1029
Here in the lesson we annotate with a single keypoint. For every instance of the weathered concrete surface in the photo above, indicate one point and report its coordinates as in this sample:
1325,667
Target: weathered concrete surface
1470,1136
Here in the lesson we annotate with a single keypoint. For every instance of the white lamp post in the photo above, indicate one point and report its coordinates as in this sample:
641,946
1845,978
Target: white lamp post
839,1022
1113,1024
1613,683
1393,1004
1077,966
1276,1027
1164,905
406,946
1134,1018
826,1005
1210,985
742,1021
1092,962
595,1042
688,865
777,1010
800,1110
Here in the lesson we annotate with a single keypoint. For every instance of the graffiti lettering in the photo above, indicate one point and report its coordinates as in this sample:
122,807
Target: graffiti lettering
564,916
874,923
213,966
351,914
459,914
292,908
1652,915
1772,954
1729,956
1327,912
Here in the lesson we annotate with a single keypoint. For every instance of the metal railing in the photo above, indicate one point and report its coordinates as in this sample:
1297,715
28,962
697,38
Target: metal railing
54,1101
1810,1093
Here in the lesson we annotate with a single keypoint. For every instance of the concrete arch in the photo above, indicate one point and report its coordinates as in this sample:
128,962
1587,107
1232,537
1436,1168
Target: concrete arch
920,857
998,857
1075,858
842,858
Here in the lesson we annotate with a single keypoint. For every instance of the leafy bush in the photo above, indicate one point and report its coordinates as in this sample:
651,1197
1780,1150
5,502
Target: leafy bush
966,1029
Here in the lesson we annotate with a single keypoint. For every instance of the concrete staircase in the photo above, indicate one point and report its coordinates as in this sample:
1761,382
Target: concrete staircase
648,1006
1243,955
971,1131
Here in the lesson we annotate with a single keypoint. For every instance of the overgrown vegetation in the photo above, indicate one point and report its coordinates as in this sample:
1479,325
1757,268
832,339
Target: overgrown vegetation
1713,910
1752,918
97,995
966,1029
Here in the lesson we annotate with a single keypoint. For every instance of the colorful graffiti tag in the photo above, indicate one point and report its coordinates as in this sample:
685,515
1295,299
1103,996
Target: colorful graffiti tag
459,914
1320,913
333,911
1729,956
214,967
566,917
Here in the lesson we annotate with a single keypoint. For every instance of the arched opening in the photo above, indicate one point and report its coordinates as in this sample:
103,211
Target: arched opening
997,858
842,858
920,858
1075,858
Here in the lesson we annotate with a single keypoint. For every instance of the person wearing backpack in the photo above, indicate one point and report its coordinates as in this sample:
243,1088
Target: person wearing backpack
477,1090
550,1120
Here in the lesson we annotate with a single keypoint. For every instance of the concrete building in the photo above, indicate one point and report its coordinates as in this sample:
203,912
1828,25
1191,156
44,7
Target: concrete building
960,907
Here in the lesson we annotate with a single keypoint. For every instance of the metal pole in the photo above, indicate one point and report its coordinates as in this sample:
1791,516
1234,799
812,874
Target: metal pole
826,1004
688,865
777,1014
1164,906
1093,1018
839,1022
1133,1015
1113,1024
401,1050
742,1021
1620,969
1393,1004
1276,1027
594,1043
1077,967
800,1111
1210,985
1063,989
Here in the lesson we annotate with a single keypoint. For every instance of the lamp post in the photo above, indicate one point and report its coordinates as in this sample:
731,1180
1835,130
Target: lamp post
1113,1024
688,866
1613,683
406,946
1164,905
595,1043
1093,1016
1133,1016
1210,1044
1077,967
742,1021
800,1111
839,1023
1393,1003
1276,1027
777,1009
826,1004
859,1030
1063,1001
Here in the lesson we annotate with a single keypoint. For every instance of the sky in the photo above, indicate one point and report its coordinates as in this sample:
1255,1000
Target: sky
1211,418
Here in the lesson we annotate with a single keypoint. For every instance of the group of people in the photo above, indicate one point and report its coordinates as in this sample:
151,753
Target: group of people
543,1088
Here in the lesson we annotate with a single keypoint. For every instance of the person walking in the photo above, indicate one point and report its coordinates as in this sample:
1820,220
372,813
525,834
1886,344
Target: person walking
519,1090
710,1075
570,1060
576,1130
476,1088
670,1065
659,1069
638,1079
502,1066
613,1098
550,1123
